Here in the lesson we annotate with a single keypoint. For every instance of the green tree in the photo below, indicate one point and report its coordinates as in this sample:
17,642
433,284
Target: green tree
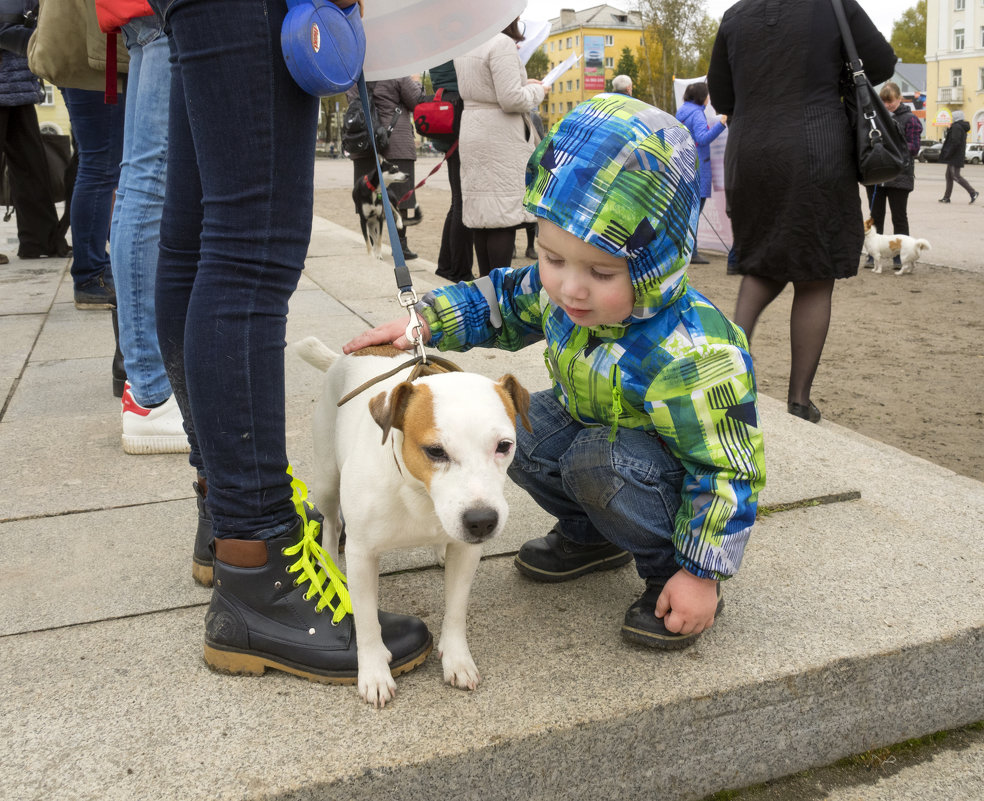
676,42
627,65
909,34
538,65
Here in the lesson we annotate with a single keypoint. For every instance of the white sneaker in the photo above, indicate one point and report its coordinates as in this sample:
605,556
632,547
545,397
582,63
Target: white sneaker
157,430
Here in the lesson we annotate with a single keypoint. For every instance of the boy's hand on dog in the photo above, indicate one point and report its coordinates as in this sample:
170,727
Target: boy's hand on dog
687,603
392,333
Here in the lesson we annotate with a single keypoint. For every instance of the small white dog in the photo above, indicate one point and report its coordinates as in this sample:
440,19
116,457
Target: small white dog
434,477
884,248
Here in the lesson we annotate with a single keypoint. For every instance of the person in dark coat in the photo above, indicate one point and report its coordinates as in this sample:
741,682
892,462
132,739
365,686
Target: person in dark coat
896,192
790,172
388,96
692,114
953,154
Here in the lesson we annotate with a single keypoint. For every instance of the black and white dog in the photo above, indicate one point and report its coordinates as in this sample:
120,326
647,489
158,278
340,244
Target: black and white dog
369,204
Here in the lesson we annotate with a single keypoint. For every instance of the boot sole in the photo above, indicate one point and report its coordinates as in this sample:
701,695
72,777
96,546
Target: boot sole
203,574
538,574
239,663
93,305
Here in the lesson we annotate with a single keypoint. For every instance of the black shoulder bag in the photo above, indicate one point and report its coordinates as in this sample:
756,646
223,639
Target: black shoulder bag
881,148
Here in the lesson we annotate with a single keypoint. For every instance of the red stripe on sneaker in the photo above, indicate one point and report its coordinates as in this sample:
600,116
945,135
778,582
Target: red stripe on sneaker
130,405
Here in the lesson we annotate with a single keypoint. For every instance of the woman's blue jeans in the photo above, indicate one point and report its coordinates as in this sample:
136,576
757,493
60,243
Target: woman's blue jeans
136,230
234,235
626,492
98,129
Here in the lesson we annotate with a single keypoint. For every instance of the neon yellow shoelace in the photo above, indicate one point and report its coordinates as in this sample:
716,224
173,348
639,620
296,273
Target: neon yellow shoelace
314,564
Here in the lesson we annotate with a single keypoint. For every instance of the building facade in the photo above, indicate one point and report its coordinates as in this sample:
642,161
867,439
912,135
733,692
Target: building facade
599,34
954,65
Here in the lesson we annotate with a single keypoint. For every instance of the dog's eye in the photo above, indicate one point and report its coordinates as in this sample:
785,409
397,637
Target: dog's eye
436,453
504,446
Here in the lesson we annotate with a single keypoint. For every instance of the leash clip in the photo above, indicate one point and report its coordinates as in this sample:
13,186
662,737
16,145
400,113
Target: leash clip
408,300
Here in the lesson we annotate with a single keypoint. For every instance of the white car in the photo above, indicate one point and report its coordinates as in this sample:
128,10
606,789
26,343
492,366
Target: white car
975,153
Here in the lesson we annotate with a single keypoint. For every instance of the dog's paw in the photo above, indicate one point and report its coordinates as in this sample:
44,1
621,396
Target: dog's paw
460,671
440,552
376,686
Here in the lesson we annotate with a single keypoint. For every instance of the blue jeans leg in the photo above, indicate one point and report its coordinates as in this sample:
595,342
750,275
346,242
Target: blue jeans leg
626,492
234,235
98,129
136,230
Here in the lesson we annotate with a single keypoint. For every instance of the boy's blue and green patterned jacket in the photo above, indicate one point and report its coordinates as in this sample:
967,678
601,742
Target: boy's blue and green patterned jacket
622,176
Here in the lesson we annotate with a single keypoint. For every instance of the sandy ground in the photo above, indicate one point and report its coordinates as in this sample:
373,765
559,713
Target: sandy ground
904,360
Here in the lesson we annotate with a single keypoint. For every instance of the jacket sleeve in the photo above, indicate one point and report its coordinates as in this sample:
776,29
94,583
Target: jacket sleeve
873,49
512,93
704,406
502,310
411,93
702,133
719,82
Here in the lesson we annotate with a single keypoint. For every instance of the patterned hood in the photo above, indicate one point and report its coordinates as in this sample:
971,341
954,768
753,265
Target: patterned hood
622,176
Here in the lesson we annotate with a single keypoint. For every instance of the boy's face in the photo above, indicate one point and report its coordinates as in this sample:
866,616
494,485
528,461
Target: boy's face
591,286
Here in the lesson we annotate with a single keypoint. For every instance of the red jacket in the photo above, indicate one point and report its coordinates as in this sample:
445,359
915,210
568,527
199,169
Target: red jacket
114,13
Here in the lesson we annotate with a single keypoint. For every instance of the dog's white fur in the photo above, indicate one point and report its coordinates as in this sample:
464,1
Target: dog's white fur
884,248
410,464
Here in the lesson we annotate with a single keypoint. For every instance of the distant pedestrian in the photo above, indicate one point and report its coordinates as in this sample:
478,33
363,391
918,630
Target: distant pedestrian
953,154
622,84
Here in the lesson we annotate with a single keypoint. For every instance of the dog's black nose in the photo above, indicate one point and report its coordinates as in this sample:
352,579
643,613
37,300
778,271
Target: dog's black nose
480,523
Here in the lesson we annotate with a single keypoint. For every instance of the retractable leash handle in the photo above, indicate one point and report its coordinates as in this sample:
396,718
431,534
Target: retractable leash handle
323,45
407,297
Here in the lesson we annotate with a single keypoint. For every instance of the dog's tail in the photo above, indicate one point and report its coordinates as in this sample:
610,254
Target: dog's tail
921,245
315,352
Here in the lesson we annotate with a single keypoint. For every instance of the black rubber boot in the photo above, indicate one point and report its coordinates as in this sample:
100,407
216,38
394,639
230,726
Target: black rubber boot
201,565
408,254
264,615
556,558
119,372
643,627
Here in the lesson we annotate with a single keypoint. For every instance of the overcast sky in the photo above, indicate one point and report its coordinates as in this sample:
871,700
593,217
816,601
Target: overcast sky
883,13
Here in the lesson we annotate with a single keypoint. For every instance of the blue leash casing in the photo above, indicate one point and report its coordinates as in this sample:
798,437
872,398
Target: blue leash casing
324,46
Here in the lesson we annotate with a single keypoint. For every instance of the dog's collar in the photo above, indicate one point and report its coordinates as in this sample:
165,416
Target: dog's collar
369,186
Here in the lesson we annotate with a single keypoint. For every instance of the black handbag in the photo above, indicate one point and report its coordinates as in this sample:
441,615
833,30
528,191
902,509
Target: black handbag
881,148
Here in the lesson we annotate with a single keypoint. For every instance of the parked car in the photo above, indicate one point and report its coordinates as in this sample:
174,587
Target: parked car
930,152
975,153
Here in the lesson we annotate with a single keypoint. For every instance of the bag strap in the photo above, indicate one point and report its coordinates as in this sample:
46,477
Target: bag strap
857,68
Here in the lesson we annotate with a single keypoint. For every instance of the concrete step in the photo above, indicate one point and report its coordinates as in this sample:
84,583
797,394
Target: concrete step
857,619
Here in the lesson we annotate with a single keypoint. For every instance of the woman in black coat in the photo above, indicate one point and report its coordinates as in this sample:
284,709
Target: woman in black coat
953,154
790,173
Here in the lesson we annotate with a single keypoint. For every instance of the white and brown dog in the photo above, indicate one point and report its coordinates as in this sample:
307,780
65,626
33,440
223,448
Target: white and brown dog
435,476
883,248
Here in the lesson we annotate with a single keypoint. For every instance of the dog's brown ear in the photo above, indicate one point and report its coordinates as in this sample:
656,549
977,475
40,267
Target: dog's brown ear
518,397
390,412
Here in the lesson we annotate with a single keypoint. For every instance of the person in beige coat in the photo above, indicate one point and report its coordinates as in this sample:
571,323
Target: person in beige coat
496,140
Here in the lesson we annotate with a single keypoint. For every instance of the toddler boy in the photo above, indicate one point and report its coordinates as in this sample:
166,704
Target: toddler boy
649,446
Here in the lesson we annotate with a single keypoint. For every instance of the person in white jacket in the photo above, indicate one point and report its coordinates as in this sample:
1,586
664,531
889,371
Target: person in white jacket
496,140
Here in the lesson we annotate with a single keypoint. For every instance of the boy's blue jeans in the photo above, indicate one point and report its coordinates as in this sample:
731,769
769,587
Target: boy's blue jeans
136,231
234,234
626,492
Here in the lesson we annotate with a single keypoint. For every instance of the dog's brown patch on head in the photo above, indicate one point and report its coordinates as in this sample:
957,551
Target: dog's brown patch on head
895,244
378,350
515,398
419,432
867,224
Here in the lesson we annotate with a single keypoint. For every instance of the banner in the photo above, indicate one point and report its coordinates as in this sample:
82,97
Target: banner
594,63
714,229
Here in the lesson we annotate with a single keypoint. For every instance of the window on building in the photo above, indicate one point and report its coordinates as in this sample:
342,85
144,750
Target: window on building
570,84
956,77
610,62
569,40
609,41
958,39
570,105
49,95
980,79
981,41
577,84
623,18
551,47
958,5
577,41
553,108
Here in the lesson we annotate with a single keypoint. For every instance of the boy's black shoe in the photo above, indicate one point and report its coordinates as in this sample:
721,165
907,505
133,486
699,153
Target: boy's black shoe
265,614
556,558
642,626
96,293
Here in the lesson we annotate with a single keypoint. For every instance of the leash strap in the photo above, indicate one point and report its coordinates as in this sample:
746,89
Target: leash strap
439,165
418,364
407,297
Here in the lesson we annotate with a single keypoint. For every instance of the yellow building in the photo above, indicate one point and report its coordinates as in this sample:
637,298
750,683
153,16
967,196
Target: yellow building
954,65
599,35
